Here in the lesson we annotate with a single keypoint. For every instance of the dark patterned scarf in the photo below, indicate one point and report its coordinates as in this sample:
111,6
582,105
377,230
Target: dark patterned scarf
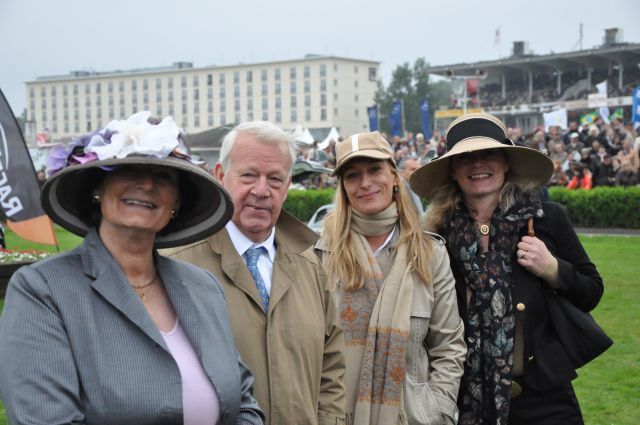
490,320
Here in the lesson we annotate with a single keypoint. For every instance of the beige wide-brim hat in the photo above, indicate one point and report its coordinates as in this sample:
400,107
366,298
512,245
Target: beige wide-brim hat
362,145
205,207
476,132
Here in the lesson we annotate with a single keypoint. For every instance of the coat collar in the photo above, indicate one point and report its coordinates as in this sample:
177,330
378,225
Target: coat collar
292,237
110,282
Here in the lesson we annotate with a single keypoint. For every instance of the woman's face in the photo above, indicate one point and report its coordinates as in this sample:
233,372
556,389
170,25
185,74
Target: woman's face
480,174
138,197
369,184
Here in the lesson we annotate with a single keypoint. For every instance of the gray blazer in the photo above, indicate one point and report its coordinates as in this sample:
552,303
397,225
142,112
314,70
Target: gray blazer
78,347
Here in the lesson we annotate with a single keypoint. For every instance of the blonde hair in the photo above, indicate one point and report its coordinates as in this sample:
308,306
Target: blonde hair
340,260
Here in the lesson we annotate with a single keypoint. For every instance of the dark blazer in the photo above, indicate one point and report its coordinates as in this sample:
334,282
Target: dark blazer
546,364
78,346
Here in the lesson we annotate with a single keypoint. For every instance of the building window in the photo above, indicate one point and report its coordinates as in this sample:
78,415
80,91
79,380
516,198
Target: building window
356,112
236,118
236,77
323,114
323,99
278,102
222,91
196,121
221,78
249,76
355,69
355,84
210,120
171,96
196,108
307,115
307,86
170,83
335,82
210,107
373,73
335,67
278,116
335,112
277,74
292,72
307,71
210,92
265,116
323,85
249,90
356,98
323,70
236,91
293,101
264,89
250,104
134,86
196,81
145,84
196,94
263,75
223,105
159,97
209,80
75,89
293,87
53,91
294,116
223,119
335,97
184,82
64,90
277,88
307,101
158,84
250,116
236,105
264,103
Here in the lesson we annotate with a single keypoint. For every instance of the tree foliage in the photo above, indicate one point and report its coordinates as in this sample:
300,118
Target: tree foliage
412,85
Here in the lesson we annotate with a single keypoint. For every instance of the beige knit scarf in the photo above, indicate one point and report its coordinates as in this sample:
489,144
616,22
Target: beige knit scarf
376,321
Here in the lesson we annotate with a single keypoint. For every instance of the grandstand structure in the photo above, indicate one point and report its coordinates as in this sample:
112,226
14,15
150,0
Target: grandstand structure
520,88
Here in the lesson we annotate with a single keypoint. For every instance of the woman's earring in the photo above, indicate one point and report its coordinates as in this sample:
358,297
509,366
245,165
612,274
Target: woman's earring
96,199
395,189
174,214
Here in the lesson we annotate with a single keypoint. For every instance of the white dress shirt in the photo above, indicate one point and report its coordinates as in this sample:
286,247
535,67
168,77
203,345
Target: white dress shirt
265,261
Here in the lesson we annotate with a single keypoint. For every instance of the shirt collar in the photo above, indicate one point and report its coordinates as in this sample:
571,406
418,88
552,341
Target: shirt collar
243,243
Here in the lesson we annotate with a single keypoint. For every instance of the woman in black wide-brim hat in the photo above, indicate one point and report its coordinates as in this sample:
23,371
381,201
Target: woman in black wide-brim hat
483,195
111,332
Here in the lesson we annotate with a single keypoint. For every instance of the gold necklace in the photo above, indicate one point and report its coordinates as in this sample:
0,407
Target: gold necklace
142,295
484,226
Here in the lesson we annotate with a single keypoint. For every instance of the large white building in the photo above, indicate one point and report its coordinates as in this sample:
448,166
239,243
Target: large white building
317,92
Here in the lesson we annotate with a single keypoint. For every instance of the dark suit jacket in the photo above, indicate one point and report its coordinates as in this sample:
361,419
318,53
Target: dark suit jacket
78,346
546,364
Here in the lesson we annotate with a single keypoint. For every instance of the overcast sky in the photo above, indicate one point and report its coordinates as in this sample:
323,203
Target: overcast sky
53,37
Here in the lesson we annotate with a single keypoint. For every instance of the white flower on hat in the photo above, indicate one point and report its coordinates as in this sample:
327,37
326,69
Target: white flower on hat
136,136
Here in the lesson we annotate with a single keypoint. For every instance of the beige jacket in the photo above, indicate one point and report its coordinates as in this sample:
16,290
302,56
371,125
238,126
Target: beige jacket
436,351
295,351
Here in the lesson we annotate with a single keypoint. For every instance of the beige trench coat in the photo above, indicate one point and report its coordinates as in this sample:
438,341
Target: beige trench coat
436,349
295,351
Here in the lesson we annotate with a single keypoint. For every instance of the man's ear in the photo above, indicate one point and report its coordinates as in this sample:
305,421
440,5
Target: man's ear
218,173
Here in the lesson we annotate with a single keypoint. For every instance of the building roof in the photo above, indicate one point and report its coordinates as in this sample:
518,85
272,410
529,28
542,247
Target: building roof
624,53
184,66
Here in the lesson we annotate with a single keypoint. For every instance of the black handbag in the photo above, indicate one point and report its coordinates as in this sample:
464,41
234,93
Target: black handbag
579,334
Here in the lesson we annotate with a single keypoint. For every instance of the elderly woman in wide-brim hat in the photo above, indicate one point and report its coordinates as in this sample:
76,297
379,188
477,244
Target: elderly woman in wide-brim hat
482,197
403,334
111,332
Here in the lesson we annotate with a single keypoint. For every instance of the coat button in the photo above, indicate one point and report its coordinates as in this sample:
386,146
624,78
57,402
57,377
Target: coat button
521,307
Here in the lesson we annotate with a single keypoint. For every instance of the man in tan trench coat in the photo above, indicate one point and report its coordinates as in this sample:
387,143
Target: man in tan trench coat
285,321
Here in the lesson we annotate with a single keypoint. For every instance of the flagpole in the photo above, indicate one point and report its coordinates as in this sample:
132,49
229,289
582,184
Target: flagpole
404,133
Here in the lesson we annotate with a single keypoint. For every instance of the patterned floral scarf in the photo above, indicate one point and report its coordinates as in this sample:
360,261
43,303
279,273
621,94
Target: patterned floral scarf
376,322
490,323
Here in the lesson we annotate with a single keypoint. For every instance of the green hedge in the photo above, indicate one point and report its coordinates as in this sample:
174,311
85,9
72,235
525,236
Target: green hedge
601,206
303,203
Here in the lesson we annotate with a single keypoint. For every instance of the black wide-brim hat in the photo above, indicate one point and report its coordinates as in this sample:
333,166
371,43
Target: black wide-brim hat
476,132
205,207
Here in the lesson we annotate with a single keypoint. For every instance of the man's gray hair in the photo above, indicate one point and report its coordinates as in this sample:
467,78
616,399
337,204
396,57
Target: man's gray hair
263,131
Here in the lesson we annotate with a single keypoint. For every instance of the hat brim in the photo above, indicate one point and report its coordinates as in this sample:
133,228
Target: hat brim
365,153
526,165
205,207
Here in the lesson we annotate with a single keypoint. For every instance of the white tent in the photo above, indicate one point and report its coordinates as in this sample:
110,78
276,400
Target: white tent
333,135
301,135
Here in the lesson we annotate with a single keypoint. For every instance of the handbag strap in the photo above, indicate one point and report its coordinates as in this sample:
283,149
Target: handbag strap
530,231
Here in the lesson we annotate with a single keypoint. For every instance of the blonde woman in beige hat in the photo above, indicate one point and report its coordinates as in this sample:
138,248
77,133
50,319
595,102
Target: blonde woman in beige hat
403,335
483,195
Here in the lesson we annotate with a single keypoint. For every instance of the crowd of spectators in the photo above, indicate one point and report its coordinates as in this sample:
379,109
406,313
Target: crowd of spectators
602,154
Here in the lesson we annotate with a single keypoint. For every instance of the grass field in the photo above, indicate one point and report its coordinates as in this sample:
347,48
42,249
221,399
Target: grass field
608,387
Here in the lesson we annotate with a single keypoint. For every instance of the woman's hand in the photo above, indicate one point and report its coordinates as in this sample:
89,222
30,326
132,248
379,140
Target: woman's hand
533,255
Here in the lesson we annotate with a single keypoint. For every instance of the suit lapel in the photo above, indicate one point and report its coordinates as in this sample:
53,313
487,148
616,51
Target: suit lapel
112,285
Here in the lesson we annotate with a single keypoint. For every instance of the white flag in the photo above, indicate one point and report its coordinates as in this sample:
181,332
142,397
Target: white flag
556,118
